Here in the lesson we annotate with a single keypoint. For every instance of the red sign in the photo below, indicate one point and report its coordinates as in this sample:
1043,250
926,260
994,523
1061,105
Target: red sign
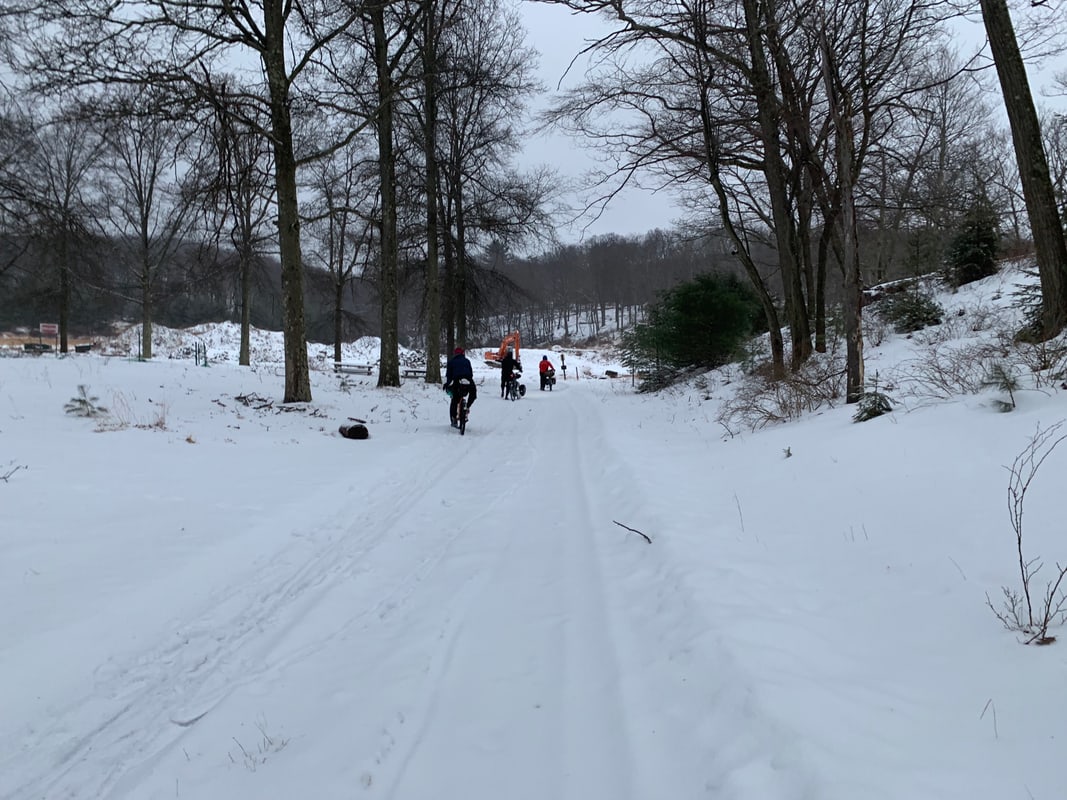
49,329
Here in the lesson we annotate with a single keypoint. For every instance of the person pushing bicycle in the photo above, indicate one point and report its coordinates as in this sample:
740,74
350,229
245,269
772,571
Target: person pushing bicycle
508,364
459,382
548,372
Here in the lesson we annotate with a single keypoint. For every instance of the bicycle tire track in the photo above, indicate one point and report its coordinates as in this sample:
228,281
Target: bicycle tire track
140,701
549,714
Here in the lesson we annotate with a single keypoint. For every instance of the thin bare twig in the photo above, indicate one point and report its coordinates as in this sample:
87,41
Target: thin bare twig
1018,612
989,704
741,516
633,530
962,575
11,472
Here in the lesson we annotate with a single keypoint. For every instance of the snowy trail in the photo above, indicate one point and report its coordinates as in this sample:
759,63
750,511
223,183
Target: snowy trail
397,597
551,720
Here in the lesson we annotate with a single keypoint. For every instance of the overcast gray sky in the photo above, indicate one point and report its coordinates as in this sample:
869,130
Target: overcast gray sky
559,36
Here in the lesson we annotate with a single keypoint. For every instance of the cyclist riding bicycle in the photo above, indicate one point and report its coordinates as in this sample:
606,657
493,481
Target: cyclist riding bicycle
459,382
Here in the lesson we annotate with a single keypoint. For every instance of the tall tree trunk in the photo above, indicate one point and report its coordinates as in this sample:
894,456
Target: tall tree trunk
245,357
777,187
146,311
820,287
338,302
448,293
64,287
806,266
433,285
460,279
294,328
770,313
1049,243
841,114
389,358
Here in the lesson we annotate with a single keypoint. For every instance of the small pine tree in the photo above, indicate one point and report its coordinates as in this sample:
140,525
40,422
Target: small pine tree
1001,376
973,252
911,311
84,405
871,405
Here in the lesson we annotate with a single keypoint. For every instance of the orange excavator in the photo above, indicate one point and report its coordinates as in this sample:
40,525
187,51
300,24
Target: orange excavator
510,342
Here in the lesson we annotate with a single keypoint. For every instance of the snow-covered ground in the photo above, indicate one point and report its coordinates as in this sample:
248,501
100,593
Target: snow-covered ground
208,594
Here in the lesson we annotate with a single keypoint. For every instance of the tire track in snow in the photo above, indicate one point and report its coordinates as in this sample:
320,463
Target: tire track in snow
142,703
697,720
440,613
594,635
538,714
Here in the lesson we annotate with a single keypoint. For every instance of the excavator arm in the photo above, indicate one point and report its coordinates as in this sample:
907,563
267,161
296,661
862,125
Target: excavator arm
511,341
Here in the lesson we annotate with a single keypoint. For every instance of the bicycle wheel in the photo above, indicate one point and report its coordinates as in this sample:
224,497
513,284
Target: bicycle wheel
463,416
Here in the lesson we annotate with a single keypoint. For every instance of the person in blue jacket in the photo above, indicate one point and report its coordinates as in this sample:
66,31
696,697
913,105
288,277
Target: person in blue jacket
459,381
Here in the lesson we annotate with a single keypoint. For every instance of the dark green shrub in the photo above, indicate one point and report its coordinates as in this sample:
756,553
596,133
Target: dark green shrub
701,323
911,311
656,379
972,254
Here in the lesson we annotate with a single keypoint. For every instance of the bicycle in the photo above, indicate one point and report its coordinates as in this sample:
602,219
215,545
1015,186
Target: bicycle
513,390
462,406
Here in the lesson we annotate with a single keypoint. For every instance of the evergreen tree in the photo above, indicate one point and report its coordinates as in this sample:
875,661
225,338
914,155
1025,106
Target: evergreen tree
972,255
700,323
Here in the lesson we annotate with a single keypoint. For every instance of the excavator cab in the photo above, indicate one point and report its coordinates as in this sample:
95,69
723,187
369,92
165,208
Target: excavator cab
510,342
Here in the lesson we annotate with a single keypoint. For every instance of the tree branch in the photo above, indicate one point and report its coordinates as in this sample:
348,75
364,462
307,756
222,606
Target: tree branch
633,530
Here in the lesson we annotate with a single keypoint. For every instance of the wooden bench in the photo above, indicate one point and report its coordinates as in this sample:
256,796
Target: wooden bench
413,372
349,367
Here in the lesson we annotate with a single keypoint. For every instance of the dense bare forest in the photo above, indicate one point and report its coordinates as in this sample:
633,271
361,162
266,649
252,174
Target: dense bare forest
367,178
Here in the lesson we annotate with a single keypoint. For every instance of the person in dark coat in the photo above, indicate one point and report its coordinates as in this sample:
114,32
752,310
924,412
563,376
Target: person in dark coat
508,364
459,381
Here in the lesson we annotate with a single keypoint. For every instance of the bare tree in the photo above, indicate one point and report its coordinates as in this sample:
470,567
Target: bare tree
240,196
841,114
388,55
736,114
1020,611
16,137
1054,127
151,201
1045,223
66,149
919,170
483,87
343,220
437,17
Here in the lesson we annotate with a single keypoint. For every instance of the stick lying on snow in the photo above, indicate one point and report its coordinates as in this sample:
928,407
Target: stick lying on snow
633,530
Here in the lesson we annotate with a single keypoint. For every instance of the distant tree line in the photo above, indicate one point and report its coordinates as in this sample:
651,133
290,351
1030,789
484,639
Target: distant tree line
576,292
